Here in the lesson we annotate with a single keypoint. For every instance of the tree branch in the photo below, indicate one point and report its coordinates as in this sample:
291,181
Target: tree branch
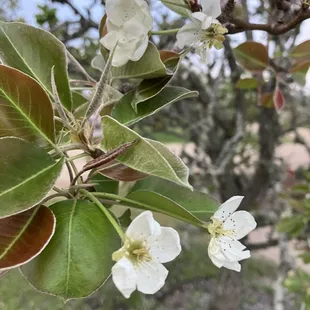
238,25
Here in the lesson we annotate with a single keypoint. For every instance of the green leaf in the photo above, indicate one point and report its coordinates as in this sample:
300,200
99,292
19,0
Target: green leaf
148,89
25,109
35,51
200,204
151,87
147,200
252,56
125,114
247,84
104,184
305,257
125,218
78,259
27,174
23,236
147,156
293,225
78,100
177,6
148,67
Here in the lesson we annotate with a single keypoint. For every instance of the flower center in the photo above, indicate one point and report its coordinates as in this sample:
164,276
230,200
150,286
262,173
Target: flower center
217,230
213,36
135,251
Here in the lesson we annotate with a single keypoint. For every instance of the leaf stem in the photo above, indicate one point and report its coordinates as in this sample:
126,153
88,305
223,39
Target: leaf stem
78,156
68,147
53,196
106,213
165,32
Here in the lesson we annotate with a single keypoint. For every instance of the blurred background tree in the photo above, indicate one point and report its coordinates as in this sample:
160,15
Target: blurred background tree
231,137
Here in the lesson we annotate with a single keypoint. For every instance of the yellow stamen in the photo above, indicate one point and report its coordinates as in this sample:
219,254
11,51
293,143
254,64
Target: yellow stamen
217,230
134,250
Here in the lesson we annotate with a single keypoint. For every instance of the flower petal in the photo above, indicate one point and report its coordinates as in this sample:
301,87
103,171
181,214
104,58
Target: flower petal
228,208
211,7
120,11
140,25
124,277
233,250
151,277
165,247
241,222
215,254
109,40
232,265
205,20
141,49
143,226
204,53
187,35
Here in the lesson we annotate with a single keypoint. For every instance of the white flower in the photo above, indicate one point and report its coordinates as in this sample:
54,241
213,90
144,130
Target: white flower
139,261
128,24
227,228
204,31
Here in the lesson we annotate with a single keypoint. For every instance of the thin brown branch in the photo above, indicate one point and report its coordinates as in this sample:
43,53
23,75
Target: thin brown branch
238,25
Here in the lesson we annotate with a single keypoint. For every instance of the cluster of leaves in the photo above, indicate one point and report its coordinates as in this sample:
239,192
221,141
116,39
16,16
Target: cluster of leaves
254,57
65,248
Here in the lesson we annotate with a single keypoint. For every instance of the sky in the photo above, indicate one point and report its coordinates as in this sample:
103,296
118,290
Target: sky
28,9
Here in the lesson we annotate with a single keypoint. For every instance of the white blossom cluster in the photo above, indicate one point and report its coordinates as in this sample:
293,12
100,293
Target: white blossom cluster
148,245
129,24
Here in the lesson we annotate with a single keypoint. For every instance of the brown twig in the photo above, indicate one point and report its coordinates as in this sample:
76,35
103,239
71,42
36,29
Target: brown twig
238,25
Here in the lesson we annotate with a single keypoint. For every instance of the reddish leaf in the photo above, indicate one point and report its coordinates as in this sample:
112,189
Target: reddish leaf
300,66
278,99
166,55
102,27
170,59
24,236
252,56
120,172
302,51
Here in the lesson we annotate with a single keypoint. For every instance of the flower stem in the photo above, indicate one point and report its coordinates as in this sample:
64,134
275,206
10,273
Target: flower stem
176,4
164,32
106,213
